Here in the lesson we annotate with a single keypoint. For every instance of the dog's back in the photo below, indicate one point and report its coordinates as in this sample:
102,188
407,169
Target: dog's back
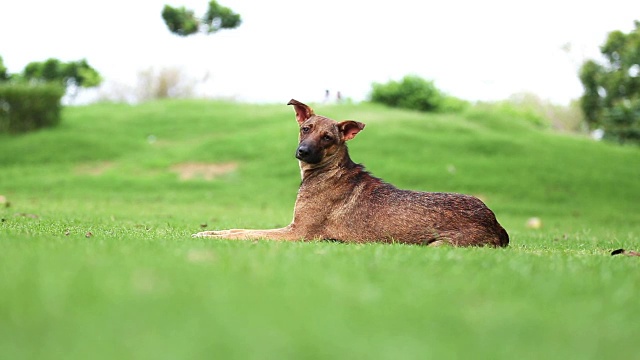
360,208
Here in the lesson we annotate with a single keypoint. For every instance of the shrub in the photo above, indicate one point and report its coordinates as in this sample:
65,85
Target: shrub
164,83
415,93
26,107
546,114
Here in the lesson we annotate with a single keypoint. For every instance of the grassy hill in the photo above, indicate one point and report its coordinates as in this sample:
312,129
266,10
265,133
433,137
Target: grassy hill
96,258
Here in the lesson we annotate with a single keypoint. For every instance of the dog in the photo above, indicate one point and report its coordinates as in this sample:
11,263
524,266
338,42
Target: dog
339,200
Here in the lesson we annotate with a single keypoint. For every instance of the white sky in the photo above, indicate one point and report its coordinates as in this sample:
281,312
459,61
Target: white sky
476,50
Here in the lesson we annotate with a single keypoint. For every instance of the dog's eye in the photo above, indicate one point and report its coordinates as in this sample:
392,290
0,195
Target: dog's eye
305,129
327,138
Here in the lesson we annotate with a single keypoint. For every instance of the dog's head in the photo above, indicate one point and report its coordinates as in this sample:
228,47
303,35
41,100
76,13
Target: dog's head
321,137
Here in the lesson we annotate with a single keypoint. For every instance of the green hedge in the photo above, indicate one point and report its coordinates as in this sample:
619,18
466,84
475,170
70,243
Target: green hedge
26,107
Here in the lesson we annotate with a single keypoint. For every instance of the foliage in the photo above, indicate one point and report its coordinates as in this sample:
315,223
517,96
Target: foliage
415,93
220,17
164,83
183,22
153,83
180,21
74,74
539,112
611,98
26,107
4,75
78,74
96,259
31,100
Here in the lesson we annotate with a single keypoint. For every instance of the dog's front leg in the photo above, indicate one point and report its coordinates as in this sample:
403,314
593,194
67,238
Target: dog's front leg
285,233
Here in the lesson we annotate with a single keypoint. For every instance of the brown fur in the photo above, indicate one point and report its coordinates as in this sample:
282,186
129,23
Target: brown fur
339,200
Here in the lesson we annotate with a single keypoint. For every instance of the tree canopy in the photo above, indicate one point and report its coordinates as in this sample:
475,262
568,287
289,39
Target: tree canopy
74,73
611,99
183,22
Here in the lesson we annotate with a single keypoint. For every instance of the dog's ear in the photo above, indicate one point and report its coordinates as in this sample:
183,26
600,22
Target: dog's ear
303,112
349,129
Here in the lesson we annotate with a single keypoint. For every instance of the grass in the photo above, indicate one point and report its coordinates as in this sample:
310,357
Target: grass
96,259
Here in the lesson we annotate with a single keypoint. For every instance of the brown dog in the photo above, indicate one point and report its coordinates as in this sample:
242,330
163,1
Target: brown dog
339,200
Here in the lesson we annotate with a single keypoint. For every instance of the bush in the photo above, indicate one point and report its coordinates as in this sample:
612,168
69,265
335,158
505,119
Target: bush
543,113
26,107
164,83
415,93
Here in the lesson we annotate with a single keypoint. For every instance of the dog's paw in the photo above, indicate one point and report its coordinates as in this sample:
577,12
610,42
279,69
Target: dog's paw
204,234
238,234
221,234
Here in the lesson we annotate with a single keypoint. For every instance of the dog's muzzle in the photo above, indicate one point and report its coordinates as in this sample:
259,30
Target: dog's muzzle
308,154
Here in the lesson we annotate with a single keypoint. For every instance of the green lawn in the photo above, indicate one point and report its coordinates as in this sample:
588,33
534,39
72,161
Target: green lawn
97,262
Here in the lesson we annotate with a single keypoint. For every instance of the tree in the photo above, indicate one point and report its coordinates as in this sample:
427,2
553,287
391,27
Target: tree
72,75
183,22
4,75
611,99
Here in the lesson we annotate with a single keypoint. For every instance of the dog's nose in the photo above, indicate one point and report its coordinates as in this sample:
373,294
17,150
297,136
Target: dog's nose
309,153
302,152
